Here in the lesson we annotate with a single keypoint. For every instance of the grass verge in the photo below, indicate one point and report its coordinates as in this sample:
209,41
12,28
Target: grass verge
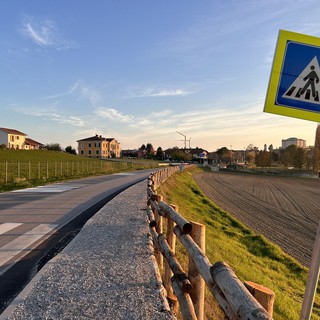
250,255
29,168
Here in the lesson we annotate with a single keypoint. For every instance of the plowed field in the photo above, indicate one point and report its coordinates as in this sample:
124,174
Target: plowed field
285,210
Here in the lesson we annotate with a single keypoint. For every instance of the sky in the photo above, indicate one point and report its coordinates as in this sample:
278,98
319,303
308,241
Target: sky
141,71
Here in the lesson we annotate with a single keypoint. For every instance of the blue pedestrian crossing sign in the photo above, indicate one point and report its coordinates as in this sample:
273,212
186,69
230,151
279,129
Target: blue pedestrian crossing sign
294,85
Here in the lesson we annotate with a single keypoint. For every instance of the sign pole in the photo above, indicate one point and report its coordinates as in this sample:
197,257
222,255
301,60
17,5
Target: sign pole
312,281
294,91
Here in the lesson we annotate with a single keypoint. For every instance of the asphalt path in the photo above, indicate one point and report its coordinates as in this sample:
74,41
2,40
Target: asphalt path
35,222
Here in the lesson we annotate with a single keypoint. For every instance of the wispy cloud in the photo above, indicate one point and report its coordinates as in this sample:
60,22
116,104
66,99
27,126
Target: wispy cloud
113,114
91,92
44,33
53,115
165,93
62,94
81,91
158,92
216,124
64,119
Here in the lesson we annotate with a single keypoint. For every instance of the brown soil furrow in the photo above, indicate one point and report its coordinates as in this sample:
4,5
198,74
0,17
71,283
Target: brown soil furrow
284,210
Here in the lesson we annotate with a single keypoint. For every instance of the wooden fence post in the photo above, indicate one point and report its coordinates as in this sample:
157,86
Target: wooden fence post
171,239
159,229
239,300
186,306
198,284
264,295
6,171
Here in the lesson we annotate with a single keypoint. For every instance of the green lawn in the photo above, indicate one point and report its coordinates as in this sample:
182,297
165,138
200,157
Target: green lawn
250,255
26,168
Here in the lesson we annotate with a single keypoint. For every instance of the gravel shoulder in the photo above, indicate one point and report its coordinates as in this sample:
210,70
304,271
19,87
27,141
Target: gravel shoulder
106,272
285,210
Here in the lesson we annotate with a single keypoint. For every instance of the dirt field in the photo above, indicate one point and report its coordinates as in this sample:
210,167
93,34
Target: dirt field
284,210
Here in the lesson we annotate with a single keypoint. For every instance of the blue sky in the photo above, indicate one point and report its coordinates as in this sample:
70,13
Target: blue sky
140,71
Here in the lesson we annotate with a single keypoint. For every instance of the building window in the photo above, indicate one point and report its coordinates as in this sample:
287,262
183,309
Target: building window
97,151
17,137
12,138
89,145
81,145
89,151
81,152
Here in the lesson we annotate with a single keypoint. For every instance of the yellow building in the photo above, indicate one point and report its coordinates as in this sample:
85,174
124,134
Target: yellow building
14,139
99,147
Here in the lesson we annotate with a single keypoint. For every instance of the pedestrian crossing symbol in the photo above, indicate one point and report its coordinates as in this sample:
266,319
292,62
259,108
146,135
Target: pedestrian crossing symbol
294,87
306,86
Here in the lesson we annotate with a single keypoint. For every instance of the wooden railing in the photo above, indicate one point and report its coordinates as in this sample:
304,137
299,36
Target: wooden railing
187,289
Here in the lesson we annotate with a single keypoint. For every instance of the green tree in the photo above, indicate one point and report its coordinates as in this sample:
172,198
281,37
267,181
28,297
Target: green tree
224,154
285,158
180,155
150,149
294,156
250,156
263,159
70,150
53,147
300,158
316,151
292,149
275,156
310,158
159,153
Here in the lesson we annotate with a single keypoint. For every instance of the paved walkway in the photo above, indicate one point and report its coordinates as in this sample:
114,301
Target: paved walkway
106,272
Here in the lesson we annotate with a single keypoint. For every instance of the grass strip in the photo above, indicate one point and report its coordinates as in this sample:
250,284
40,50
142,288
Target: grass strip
250,255
29,168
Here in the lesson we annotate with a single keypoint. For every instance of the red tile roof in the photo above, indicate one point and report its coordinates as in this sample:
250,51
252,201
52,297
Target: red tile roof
95,138
13,131
32,142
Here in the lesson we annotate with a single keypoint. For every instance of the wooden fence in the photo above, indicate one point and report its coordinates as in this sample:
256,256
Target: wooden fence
27,171
238,300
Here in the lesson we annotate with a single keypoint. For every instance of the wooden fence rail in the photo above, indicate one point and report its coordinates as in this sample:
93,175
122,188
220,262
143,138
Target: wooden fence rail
188,288
11,172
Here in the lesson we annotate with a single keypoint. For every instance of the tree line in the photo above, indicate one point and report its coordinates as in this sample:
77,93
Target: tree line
292,156
57,147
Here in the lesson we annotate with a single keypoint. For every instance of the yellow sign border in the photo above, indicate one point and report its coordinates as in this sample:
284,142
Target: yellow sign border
270,106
